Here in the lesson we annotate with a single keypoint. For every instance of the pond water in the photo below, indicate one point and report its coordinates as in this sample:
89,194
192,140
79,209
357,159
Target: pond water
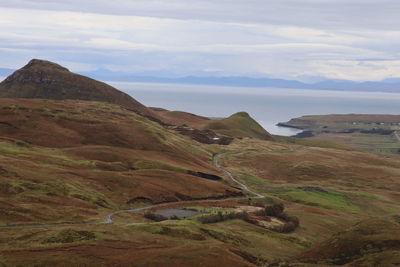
180,213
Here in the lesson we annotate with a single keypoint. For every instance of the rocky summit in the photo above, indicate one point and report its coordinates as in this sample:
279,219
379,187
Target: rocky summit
48,80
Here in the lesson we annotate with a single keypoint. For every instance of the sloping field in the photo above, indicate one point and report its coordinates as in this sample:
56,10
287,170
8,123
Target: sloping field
76,160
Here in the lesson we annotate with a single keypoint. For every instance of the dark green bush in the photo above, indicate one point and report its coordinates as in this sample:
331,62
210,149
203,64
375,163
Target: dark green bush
274,210
291,223
219,217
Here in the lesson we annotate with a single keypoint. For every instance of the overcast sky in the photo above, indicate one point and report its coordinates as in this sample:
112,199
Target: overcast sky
291,39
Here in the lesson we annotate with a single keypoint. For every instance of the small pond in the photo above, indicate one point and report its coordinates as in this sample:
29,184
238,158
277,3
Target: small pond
180,213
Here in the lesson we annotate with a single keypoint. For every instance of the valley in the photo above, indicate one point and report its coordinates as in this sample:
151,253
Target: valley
99,182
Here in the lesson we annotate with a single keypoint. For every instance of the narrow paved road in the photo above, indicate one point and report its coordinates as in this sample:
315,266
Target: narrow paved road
243,186
108,219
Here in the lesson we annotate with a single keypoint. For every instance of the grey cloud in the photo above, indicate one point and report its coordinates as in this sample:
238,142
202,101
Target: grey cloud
355,14
282,38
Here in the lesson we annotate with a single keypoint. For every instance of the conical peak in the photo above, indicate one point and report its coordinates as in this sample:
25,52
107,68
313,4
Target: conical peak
38,64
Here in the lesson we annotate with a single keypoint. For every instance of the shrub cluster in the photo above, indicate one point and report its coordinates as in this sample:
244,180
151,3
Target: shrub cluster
220,217
291,223
271,210
276,210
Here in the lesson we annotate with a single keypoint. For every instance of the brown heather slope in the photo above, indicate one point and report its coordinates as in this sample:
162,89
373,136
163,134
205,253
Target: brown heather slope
329,190
119,245
326,204
181,118
77,160
293,165
373,242
48,80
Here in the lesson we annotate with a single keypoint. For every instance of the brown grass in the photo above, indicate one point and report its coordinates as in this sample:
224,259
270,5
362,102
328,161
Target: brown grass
74,161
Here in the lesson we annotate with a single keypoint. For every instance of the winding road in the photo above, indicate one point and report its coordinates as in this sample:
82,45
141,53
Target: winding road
396,134
108,219
242,186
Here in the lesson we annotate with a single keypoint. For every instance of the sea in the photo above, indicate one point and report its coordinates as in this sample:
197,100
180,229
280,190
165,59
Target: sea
268,106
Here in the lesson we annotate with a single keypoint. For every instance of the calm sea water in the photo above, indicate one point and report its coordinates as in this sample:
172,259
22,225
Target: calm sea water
267,105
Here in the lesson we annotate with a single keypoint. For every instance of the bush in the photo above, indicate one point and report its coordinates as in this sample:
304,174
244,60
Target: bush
274,210
291,223
219,217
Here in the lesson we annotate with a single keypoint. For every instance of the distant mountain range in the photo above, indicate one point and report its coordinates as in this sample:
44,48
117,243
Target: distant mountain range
388,85
5,72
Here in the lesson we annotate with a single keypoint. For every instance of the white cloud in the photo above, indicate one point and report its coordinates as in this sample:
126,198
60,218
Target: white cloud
358,71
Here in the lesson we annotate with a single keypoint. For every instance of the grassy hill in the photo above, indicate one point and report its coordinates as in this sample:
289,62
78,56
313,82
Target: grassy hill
373,242
239,125
347,201
76,160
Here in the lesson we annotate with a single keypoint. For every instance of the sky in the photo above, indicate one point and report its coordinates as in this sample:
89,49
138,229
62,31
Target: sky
306,40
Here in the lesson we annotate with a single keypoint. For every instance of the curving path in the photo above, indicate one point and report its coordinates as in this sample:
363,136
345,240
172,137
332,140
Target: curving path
108,219
242,186
396,134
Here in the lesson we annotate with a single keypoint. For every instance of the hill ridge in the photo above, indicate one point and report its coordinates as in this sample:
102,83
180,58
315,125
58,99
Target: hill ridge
48,80
240,125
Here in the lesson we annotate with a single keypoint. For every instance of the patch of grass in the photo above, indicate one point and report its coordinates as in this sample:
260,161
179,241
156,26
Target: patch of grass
101,106
224,236
256,180
309,142
182,231
367,195
70,236
148,164
330,199
63,160
10,148
87,163
15,108
43,188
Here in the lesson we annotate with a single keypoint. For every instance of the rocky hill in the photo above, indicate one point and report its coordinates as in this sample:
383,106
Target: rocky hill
48,80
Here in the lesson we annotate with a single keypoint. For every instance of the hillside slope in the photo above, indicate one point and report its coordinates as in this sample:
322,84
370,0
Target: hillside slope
181,118
75,160
239,125
48,80
373,242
